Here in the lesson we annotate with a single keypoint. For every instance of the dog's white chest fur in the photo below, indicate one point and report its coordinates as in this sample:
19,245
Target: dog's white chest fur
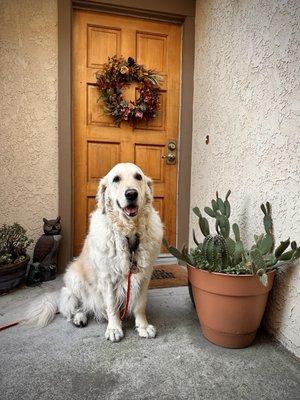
109,248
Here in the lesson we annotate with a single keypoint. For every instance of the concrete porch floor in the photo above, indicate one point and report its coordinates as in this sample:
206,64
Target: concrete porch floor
64,362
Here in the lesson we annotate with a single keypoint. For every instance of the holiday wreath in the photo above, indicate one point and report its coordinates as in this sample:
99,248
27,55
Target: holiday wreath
119,73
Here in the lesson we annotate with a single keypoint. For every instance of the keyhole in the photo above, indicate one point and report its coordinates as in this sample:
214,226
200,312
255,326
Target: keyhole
207,139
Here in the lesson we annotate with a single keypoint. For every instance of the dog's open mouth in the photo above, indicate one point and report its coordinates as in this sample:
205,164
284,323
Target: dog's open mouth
131,210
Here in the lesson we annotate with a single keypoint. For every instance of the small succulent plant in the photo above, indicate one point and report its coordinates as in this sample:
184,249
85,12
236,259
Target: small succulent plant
221,253
13,244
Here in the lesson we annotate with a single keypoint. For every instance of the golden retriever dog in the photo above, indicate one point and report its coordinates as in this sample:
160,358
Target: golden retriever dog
125,233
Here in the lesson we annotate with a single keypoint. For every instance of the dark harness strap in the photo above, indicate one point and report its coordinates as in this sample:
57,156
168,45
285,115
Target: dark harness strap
132,247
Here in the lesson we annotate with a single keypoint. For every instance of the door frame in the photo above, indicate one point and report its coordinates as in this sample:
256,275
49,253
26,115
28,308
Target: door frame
168,11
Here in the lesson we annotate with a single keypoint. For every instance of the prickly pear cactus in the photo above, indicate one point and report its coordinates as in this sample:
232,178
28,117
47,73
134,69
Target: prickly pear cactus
227,255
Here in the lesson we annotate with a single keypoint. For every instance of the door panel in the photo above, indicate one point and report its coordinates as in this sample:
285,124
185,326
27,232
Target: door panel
151,50
98,143
102,156
101,44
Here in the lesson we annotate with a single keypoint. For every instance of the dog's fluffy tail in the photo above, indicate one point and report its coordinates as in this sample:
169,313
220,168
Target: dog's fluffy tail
43,310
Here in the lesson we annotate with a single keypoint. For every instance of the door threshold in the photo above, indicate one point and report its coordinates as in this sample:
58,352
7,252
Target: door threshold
166,259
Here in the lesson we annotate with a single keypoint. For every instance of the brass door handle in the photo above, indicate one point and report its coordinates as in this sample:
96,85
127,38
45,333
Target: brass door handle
170,158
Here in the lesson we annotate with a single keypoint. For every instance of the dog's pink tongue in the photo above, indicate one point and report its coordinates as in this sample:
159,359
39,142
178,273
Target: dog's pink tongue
131,210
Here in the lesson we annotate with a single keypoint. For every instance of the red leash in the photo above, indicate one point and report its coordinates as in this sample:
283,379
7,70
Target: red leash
125,311
10,325
133,269
15,323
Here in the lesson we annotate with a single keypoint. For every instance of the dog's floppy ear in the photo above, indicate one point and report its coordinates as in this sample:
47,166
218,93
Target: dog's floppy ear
149,183
150,188
101,194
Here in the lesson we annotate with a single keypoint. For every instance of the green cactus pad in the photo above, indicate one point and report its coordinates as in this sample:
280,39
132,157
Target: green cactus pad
266,244
236,231
257,259
281,248
209,212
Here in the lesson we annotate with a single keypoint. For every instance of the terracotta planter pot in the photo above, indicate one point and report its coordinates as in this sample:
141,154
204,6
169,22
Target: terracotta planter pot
229,307
11,275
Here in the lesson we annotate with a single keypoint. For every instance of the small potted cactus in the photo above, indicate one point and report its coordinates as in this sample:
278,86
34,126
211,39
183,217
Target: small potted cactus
13,257
229,283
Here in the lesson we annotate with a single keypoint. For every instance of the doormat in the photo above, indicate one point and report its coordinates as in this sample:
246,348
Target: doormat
162,274
168,276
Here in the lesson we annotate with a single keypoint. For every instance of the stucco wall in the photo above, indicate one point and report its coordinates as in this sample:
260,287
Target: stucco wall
28,104
247,98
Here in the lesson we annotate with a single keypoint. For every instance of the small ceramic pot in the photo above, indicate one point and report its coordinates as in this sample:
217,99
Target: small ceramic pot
11,275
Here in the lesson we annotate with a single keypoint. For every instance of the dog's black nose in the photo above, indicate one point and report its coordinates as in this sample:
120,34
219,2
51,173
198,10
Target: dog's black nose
131,194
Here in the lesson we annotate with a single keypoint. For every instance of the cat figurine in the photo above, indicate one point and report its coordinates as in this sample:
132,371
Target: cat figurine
44,263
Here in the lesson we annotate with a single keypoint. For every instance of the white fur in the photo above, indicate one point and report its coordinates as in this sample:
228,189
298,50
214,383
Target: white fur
96,282
43,310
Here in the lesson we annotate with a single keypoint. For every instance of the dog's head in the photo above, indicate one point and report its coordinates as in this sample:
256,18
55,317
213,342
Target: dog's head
125,189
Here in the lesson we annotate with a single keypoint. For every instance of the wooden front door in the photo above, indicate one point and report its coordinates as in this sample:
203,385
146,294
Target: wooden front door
98,144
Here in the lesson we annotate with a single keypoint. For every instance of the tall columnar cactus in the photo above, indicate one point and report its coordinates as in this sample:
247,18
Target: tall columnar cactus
215,251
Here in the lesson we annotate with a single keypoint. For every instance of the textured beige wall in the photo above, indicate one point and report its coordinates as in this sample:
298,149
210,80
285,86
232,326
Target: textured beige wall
28,122
247,98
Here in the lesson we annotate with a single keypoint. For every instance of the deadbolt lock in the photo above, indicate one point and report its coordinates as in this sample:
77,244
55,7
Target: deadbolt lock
172,145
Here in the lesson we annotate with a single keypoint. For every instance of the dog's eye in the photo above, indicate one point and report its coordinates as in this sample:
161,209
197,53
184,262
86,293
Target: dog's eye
116,178
138,176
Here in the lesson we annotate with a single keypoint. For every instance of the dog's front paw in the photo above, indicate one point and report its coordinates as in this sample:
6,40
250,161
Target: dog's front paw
148,332
80,319
114,334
